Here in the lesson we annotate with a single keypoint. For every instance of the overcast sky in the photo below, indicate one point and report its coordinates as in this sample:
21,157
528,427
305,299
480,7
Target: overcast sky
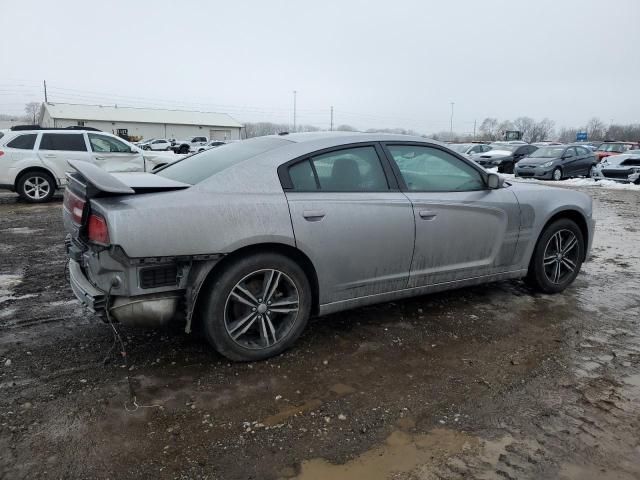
379,63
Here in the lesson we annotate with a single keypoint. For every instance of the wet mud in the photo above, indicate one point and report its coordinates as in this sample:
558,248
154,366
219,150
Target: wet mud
486,382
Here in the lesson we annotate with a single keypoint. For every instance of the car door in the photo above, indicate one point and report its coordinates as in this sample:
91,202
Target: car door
114,155
586,160
352,222
55,149
570,162
463,229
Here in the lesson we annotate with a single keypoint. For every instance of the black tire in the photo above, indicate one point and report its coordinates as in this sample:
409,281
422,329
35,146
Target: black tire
557,174
36,186
146,147
506,167
183,149
538,274
221,307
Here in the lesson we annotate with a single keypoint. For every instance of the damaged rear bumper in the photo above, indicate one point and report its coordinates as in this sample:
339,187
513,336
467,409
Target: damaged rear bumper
151,310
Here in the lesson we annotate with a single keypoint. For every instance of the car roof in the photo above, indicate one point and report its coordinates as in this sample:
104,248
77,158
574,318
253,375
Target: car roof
351,137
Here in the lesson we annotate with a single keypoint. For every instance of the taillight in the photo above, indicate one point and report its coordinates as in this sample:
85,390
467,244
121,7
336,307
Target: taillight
1,153
97,230
74,205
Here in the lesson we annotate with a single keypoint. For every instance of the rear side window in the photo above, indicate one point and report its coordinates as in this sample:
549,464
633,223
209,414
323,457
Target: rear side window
70,142
350,170
23,142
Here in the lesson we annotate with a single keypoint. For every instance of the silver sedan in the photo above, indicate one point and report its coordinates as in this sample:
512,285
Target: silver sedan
248,240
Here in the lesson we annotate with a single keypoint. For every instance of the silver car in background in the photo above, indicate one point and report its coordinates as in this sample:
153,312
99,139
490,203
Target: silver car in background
248,240
624,168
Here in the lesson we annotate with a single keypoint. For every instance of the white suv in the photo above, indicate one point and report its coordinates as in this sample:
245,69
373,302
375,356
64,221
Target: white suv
33,163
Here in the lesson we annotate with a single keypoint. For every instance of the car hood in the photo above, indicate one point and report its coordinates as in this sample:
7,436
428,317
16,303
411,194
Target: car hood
495,154
617,160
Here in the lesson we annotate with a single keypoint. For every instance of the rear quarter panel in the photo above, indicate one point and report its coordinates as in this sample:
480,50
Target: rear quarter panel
211,217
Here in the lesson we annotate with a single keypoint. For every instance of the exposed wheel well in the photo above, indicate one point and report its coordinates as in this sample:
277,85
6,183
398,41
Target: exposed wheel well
286,250
576,217
33,170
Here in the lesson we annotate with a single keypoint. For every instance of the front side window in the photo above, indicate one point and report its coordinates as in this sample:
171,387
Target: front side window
104,144
23,142
349,170
69,142
428,169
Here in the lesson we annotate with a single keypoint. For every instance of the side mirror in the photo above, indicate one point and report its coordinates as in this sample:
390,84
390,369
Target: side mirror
494,181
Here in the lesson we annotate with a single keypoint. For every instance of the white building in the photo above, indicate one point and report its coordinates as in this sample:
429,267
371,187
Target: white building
144,123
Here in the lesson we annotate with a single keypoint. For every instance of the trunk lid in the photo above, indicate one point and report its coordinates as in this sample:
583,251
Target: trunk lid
90,181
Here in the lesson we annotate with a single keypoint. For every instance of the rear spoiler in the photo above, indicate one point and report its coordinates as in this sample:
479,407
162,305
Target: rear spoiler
94,181
100,178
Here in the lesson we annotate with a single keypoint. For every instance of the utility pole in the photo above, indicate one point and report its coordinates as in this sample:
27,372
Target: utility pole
451,123
46,99
331,119
474,130
294,110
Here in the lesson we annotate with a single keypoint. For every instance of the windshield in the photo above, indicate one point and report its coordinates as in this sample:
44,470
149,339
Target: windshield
612,147
196,168
505,147
548,152
459,147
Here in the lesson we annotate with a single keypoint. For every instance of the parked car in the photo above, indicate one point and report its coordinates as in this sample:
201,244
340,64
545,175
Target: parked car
208,145
250,239
33,163
156,144
623,168
469,148
190,145
607,149
555,162
504,155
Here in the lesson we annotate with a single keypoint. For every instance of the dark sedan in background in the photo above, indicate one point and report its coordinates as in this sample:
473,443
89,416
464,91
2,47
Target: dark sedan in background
557,162
504,156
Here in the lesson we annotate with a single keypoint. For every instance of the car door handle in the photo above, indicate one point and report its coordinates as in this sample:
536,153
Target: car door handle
427,214
313,215
101,158
50,155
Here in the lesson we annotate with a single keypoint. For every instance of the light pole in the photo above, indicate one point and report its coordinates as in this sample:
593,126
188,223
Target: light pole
451,123
294,110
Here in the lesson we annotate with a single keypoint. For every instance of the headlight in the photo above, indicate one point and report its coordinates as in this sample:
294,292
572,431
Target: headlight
547,164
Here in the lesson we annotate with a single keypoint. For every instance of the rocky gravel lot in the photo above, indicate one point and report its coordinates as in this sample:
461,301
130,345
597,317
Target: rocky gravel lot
485,382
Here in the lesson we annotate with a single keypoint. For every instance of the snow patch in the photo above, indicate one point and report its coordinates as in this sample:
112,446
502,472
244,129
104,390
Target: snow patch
23,230
7,284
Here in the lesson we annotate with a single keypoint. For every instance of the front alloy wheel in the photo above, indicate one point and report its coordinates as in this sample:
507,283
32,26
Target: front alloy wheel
257,306
557,174
560,256
36,187
557,257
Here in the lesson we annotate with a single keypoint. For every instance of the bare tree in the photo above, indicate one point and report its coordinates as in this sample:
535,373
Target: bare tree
32,109
596,129
489,129
541,130
346,128
526,126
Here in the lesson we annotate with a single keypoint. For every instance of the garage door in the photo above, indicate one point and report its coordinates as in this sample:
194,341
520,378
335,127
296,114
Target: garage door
220,134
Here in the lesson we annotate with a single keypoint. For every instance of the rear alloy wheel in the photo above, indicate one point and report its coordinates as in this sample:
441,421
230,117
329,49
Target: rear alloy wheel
257,307
557,174
36,187
557,257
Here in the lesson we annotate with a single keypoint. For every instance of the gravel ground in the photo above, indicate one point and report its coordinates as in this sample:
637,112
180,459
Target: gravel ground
485,382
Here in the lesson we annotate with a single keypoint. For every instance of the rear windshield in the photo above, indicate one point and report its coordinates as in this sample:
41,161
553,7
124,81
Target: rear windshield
200,166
